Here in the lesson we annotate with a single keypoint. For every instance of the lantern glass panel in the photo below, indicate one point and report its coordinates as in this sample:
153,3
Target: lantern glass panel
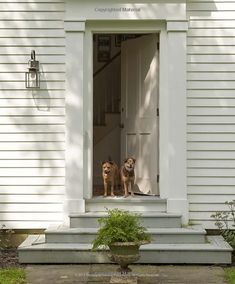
32,79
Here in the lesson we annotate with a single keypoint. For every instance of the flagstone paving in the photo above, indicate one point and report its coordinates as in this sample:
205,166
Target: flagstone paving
147,274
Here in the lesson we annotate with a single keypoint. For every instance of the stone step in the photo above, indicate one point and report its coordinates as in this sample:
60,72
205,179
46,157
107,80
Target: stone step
216,251
136,203
190,235
150,219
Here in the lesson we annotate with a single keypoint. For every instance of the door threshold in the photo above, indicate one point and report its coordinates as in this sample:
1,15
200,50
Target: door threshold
136,198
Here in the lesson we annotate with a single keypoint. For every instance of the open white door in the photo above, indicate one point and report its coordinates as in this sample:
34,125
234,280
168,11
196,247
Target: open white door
139,109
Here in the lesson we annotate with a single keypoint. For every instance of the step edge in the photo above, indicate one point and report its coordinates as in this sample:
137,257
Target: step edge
208,247
99,214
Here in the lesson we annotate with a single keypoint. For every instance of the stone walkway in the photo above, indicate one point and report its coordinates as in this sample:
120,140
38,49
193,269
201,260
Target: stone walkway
147,274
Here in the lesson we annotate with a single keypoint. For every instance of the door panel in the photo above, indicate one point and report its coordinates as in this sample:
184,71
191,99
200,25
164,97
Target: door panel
139,103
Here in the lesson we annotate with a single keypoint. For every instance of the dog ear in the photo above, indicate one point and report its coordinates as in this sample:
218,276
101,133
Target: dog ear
111,163
125,160
102,163
134,159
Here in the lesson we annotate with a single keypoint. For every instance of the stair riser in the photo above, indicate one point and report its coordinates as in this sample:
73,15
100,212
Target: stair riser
152,207
157,239
148,222
172,257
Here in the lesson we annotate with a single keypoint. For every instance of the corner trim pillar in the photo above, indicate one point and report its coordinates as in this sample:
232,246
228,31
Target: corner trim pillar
74,200
177,195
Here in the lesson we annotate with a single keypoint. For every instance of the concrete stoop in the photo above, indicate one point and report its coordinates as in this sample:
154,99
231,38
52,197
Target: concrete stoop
170,243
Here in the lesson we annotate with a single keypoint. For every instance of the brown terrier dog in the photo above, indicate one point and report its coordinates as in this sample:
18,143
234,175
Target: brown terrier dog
128,175
110,175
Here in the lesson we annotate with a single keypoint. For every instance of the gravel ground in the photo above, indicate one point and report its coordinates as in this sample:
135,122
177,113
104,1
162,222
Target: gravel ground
9,258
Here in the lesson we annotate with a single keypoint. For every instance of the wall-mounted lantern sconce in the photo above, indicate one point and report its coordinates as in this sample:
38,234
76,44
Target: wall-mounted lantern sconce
32,77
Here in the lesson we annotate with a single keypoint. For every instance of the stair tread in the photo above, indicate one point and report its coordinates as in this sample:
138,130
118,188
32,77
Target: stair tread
217,243
189,230
143,214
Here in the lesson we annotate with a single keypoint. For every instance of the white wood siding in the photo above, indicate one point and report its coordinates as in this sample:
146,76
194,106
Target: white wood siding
32,130
211,107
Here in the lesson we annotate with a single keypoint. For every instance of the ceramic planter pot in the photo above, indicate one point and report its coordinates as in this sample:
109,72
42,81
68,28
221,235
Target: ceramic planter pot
125,253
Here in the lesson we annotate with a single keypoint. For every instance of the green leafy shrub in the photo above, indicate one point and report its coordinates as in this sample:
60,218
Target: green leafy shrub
223,220
120,226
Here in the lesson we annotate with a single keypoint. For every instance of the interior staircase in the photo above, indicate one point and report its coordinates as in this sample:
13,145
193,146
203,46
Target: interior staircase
171,242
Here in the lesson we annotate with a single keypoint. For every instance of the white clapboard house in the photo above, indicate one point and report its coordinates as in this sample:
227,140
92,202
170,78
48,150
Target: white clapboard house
150,79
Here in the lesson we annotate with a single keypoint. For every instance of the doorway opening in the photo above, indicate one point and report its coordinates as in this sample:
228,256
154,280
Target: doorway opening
125,107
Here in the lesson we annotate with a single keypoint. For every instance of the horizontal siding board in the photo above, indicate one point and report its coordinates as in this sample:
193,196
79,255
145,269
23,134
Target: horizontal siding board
218,120
31,137
212,15
211,190
208,128
219,49
25,24
25,50
35,146
212,146
35,101
210,93
210,58
200,23
30,33
32,181
213,163
33,120
28,199
211,76
204,207
33,163
33,42
32,172
192,85
31,128
212,102
22,68
20,76
210,67
28,94
211,111
207,32
43,85
31,154
33,1
32,7
202,215
211,199
18,208
211,181
32,189
211,6
31,216
211,41
12,110
208,172
209,155
207,137
23,59
32,15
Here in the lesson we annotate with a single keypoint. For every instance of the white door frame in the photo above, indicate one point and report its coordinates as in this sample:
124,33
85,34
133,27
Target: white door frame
172,107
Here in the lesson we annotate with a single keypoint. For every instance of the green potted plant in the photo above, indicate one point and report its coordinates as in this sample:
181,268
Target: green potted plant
121,232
